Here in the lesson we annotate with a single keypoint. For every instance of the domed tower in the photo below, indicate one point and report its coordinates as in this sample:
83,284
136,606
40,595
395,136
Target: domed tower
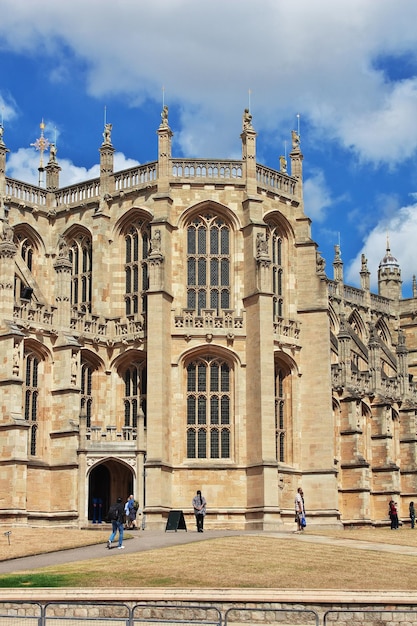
389,276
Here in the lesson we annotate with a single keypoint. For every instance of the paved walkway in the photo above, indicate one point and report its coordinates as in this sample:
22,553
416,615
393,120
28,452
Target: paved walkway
154,539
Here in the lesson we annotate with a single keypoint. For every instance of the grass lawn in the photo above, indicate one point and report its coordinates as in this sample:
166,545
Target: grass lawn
255,561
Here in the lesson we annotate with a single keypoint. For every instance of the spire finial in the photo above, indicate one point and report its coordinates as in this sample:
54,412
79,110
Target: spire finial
41,144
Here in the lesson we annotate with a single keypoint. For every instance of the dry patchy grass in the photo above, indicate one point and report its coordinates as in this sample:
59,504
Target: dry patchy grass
254,561
26,541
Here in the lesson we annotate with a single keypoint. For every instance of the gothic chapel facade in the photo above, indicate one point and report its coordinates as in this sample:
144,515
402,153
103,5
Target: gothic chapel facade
171,327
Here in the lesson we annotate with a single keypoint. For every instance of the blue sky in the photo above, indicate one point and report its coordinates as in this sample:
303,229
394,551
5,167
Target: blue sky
347,67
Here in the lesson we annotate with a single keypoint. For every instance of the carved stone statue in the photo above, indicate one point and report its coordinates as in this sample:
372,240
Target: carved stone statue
156,242
107,134
364,263
63,250
283,164
320,263
295,137
7,231
52,153
1,134
164,116
261,246
247,120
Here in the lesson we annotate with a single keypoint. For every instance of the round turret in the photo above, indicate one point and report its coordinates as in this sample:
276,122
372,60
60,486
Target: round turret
389,276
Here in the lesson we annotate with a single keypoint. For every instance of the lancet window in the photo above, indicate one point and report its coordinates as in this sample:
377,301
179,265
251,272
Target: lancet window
208,264
136,269
208,409
81,257
30,398
134,394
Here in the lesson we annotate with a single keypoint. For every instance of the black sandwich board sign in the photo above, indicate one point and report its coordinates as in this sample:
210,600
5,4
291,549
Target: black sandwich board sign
176,521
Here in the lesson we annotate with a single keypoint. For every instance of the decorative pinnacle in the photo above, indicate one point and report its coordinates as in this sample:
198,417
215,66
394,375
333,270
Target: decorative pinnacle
41,144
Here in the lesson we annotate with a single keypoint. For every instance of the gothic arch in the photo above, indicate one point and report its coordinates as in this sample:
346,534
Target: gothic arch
209,349
209,206
383,331
133,215
26,231
358,325
277,219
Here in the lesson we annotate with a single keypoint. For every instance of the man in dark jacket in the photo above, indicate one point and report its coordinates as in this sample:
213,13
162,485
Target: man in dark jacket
117,514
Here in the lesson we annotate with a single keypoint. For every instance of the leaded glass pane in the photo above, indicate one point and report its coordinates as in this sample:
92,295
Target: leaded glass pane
214,444
191,299
279,244
214,272
35,363
202,439
214,299
201,300
34,413
201,235
135,279
136,247
224,241
225,377
128,249
225,299
191,271
191,377
127,383
224,272
33,433
214,241
191,444
281,415
225,410
127,412
201,377
214,410
201,404
128,280
225,443
282,447
134,413
214,376
27,404
202,271
191,410
191,247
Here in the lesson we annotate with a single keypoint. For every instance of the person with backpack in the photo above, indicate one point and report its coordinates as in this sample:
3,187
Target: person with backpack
199,505
116,516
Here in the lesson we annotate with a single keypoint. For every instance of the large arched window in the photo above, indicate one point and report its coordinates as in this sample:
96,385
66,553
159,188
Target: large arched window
208,409
134,393
277,272
136,270
282,410
208,264
87,392
30,397
27,251
81,257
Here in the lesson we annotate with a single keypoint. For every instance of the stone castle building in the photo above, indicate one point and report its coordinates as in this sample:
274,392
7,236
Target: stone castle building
171,327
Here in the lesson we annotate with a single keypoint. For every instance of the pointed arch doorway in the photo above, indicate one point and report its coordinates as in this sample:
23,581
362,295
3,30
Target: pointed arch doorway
106,482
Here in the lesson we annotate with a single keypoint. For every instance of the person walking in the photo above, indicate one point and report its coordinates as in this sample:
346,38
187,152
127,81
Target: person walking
299,510
131,511
116,516
412,514
199,506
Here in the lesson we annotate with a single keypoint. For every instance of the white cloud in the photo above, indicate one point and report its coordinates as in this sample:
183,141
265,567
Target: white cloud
317,196
401,230
317,58
23,165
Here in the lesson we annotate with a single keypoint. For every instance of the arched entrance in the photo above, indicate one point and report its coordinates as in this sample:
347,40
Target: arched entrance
106,482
